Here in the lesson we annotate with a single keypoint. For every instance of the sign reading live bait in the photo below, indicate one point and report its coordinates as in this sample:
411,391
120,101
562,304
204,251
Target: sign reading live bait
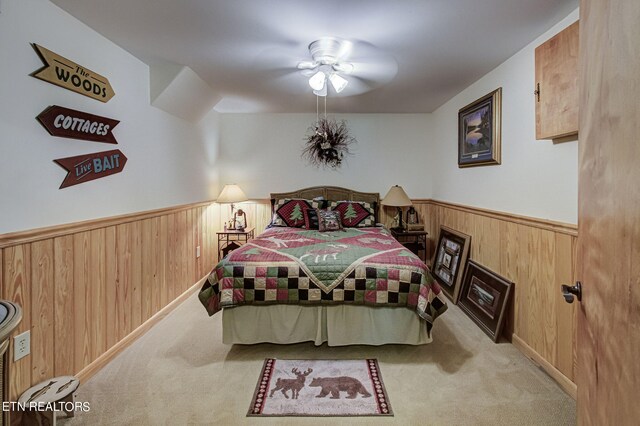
65,73
69,123
83,168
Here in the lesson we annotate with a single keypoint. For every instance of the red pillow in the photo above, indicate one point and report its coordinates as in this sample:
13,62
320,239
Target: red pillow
354,213
290,212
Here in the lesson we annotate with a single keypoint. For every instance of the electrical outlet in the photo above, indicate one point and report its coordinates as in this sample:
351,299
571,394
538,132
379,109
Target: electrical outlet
198,251
22,345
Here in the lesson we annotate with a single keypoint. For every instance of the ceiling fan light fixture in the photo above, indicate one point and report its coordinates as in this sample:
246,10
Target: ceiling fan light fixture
338,82
322,92
317,81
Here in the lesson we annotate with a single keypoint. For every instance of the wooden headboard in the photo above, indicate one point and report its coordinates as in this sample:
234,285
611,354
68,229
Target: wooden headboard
331,193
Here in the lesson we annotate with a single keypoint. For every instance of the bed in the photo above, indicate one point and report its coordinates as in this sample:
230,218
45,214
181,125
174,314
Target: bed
353,286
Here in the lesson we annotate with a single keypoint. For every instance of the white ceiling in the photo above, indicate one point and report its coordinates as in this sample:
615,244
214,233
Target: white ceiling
247,50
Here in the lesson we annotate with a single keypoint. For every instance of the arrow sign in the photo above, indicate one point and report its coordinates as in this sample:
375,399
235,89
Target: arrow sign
83,168
65,73
69,123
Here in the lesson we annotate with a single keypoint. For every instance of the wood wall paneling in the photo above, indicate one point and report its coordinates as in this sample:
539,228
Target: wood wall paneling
17,288
136,274
148,272
85,289
42,309
81,301
123,282
111,280
538,257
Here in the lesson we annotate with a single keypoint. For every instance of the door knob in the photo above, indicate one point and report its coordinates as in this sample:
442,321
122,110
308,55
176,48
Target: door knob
570,291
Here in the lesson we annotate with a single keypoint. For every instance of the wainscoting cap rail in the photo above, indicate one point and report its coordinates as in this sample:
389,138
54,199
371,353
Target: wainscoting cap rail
550,225
33,235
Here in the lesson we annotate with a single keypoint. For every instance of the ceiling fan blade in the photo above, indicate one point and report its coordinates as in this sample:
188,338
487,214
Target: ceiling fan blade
358,86
343,67
305,65
309,72
372,63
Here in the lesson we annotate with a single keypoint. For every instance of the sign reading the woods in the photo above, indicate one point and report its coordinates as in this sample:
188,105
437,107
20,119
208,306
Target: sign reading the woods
69,123
83,168
65,73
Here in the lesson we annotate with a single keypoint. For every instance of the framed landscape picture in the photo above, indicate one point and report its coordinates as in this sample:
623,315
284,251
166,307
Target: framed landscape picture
449,260
479,131
484,298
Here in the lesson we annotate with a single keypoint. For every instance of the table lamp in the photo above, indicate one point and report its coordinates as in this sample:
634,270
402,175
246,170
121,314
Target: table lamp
396,197
233,194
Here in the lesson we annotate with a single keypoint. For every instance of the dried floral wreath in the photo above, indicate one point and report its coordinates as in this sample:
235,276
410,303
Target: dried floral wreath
327,143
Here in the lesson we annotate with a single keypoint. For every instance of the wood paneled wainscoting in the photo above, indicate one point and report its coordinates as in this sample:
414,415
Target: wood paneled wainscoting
88,289
538,256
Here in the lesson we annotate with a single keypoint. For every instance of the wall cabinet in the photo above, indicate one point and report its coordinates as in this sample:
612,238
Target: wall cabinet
557,85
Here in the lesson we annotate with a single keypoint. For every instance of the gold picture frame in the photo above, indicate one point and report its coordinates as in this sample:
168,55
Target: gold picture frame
480,131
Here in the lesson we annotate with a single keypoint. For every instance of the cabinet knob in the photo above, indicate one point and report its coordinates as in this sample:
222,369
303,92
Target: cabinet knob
537,92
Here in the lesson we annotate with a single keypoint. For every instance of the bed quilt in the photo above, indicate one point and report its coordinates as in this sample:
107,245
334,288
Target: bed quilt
365,266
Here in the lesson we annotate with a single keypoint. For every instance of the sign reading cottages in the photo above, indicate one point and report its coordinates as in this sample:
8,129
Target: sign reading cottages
65,73
84,168
69,123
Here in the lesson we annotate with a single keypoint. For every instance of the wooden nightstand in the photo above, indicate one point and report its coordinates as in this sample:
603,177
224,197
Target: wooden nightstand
231,240
416,241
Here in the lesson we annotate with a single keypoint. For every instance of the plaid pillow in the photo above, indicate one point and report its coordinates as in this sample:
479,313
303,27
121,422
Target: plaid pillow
329,220
290,212
355,214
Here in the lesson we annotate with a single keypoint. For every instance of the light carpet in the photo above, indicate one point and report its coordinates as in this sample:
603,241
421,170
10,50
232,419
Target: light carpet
181,373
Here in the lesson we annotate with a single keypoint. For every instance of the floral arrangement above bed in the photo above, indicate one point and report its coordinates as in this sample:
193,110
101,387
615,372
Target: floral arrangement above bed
327,143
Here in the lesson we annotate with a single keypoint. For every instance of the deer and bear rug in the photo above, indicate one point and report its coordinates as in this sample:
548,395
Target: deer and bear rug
320,388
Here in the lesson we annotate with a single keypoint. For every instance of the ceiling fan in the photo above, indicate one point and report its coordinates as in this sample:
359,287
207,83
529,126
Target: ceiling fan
329,54
349,67
333,57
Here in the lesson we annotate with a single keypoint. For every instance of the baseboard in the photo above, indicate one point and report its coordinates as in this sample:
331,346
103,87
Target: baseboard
91,369
565,383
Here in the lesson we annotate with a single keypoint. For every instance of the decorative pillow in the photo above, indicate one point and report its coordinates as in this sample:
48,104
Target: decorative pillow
290,212
311,219
329,220
354,213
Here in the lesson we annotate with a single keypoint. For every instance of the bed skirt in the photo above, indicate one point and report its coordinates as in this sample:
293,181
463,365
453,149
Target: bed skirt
338,325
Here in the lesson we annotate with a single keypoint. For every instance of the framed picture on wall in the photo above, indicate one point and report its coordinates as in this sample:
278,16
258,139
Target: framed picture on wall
479,131
449,260
484,298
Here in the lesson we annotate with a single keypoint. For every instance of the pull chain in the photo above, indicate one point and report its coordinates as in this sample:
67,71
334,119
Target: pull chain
325,107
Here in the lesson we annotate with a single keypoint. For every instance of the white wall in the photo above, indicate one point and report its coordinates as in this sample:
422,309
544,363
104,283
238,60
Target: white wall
536,178
170,161
261,153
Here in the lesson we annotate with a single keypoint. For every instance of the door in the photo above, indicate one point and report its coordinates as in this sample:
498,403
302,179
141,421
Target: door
608,375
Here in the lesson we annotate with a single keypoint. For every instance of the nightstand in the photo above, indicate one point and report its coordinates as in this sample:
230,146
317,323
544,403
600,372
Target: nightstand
232,239
416,241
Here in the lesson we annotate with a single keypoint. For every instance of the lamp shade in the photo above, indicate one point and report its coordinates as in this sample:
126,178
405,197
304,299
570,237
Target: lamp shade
396,197
231,194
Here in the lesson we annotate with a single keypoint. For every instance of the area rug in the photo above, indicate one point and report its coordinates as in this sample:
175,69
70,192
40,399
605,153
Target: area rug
320,387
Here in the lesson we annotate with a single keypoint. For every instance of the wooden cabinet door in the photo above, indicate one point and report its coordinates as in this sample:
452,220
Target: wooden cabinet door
608,373
557,85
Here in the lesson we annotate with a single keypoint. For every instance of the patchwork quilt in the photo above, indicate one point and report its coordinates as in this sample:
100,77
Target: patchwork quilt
364,266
